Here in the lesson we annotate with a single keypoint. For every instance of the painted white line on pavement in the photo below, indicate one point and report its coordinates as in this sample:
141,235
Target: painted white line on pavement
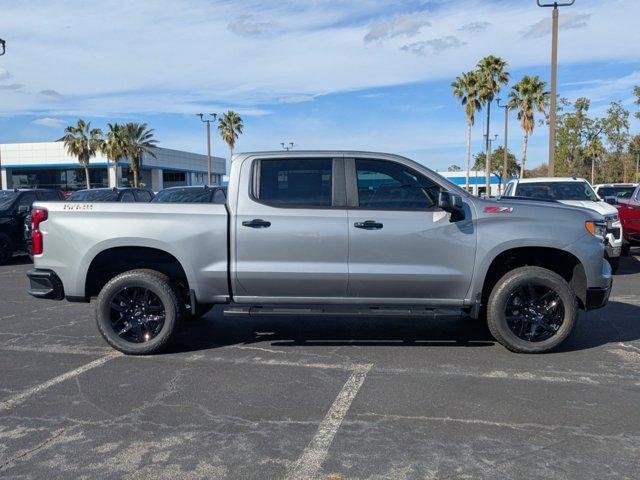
21,397
309,463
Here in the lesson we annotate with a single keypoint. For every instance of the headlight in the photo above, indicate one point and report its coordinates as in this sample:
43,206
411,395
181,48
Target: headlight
597,229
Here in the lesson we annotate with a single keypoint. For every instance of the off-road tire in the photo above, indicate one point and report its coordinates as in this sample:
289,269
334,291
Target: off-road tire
614,262
160,285
496,315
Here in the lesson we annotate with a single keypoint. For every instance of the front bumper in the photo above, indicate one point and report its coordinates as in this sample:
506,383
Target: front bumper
597,297
45,284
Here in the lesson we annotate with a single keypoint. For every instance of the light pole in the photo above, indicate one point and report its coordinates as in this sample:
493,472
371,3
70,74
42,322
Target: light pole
506,133
3,46
208,122
554,77
287,146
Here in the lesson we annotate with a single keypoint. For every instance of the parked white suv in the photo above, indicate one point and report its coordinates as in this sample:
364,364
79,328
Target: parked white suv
617,190
577,192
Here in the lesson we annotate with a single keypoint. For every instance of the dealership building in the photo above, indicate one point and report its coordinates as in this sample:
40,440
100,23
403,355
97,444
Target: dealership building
48,165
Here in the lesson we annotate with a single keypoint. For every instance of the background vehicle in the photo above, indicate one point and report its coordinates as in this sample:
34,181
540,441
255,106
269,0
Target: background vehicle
126,195
15,205
576,192
618,190
629,210
192,194
326,233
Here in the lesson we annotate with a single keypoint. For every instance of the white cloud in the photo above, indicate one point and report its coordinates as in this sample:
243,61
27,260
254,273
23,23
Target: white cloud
49,122
407,25
12,86
567,21
247,26
181,57
474,27
50,93
436,45
296,99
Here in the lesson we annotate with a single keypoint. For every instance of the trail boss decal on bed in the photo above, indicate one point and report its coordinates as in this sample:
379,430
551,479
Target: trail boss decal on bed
498,209
78,206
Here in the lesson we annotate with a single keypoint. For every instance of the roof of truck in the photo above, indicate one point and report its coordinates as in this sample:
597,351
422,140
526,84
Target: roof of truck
549,179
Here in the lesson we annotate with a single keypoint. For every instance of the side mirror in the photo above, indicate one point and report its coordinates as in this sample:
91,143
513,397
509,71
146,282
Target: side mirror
24,209
449,202
611,200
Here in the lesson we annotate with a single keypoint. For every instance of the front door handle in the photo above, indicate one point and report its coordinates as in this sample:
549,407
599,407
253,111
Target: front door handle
256,223
368,225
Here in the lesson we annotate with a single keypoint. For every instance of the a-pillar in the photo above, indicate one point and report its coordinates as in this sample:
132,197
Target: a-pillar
156,179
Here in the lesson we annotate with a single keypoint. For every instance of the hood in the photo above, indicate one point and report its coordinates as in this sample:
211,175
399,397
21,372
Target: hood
539,208
603,208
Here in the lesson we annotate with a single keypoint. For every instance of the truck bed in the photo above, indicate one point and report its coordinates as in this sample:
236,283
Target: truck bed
195,234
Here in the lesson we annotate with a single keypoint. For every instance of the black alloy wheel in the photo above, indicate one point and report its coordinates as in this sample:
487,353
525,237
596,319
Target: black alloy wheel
137,314
534,312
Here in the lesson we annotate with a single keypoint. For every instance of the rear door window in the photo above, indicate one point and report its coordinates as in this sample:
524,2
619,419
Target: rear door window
142,196
127,197
295,182
48,195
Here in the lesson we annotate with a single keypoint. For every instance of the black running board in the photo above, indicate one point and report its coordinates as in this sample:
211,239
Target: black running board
339,310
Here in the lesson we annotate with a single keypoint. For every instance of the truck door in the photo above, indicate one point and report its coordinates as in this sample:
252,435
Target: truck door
402,247
291,231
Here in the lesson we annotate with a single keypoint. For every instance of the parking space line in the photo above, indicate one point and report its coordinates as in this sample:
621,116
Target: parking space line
23,396
309,463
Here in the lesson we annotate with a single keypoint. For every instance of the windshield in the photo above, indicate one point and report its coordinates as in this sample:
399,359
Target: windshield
7,198
557,191
189,195
94,196
620,192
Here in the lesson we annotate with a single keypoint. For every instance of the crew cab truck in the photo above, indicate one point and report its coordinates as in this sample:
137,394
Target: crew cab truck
579,193
325,232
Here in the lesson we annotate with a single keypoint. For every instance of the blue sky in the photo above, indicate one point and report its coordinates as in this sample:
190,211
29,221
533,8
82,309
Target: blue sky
371,74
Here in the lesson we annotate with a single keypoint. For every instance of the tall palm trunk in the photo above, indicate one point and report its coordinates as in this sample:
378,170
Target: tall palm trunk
525,144
135,177
86,175
468,154
487,174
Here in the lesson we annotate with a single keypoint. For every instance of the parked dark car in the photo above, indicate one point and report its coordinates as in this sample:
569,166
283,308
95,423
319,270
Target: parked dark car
192,194
15,205
126,195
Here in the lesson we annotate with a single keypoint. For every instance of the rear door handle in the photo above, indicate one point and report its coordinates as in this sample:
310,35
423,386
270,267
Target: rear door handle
368,225
256,223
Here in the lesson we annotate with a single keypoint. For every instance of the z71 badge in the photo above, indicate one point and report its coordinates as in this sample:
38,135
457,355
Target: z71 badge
498,209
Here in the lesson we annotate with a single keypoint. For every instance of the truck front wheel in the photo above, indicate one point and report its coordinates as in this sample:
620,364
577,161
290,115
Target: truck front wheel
6,248
531,310
138,312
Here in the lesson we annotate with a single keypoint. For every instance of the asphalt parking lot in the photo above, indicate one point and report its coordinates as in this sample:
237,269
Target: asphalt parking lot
316,397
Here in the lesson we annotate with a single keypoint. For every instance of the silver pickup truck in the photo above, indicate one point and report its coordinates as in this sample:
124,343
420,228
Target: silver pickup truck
325,232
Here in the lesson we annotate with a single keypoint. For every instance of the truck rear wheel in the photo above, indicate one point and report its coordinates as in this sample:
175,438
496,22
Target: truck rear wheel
138,312
531,310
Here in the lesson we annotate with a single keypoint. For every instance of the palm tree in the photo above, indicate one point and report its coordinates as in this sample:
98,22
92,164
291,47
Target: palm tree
466,88
491,70
230,127
138,142
528,96
82,142
113,146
